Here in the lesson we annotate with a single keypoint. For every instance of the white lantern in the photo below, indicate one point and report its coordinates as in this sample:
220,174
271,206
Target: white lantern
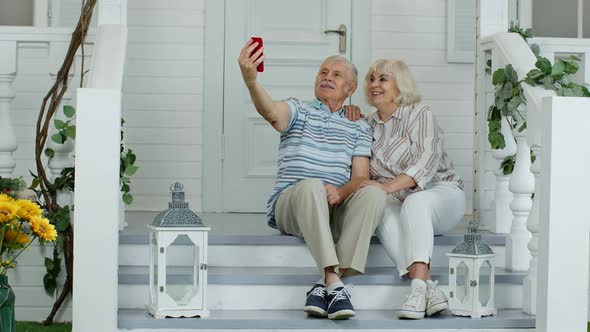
471,277
178,261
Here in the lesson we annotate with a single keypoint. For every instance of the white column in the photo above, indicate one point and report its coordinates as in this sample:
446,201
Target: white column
562,299
493,17
525,13
41,13
522,185
502,195
112,12
7,137
63,152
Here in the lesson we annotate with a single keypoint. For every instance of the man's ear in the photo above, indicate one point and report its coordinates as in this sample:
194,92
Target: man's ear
352,88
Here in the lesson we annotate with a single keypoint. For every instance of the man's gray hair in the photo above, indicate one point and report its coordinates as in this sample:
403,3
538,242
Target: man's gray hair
349,65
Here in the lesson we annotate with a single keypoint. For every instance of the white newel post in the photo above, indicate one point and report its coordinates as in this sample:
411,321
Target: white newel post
564,218
502,194
98,120
7,136
522,185
63,152
95,299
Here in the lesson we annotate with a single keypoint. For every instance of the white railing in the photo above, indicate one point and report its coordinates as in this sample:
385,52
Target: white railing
12,39
547,288
97,195
555,48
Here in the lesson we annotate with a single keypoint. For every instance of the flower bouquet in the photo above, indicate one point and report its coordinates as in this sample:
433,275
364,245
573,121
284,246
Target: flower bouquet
21,222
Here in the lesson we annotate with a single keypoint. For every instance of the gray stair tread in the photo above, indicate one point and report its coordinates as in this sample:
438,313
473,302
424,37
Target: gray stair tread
294,276
138,238
297,319
251,229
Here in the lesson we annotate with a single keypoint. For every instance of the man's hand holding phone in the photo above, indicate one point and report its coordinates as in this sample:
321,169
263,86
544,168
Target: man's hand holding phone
251,59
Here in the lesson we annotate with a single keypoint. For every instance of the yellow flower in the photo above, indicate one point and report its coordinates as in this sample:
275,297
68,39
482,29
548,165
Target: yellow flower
7,211
6,198
28,209
17,238
43,229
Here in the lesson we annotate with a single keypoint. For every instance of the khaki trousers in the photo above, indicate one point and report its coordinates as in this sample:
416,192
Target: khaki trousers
338,235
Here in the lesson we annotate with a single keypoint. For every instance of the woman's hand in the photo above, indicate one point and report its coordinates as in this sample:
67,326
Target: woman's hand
353,113
367,183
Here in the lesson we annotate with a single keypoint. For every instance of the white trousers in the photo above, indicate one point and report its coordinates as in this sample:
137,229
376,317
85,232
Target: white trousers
407,229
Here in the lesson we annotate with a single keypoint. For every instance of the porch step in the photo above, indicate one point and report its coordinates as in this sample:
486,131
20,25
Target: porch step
275,250
289,320
284,288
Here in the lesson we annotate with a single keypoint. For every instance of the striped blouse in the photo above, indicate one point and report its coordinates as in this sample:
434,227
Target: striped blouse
410,142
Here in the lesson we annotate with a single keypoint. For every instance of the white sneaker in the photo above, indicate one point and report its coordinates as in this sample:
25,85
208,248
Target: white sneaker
436,300
415,305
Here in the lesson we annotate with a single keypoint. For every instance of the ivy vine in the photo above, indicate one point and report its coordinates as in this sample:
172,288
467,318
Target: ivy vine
65,182
508,95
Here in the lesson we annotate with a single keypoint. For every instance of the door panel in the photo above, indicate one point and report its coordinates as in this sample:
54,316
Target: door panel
295,45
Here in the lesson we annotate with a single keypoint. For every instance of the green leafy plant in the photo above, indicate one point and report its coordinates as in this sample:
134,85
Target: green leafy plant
11,185
127,169
508,94
65,182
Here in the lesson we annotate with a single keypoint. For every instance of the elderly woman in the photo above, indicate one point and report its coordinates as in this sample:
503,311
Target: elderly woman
425,195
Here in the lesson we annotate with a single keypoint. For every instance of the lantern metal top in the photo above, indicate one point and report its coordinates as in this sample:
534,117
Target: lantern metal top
472,244
178,214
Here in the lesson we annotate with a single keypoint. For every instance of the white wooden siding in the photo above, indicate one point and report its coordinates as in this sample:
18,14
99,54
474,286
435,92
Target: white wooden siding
163,99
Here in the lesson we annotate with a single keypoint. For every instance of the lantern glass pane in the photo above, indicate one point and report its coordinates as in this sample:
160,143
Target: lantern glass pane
485,272
462,282
180,270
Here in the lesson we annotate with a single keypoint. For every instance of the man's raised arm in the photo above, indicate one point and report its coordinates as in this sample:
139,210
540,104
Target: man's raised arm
277,113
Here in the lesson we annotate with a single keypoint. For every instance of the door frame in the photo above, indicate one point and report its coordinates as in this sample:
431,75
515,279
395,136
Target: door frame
212,153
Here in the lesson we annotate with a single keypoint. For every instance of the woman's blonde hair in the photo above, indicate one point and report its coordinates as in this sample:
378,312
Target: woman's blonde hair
399,71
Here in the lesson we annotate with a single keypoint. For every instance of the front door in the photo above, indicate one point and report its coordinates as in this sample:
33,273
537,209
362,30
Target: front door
295,44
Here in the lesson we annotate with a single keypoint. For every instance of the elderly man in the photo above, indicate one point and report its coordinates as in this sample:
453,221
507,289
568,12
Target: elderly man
323,157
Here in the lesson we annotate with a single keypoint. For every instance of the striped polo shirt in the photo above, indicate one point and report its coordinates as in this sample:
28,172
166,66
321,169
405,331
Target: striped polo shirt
317,144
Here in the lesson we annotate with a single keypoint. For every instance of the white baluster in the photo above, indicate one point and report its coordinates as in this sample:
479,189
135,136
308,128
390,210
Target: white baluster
529,298
522,185
63,156
7,137
502,195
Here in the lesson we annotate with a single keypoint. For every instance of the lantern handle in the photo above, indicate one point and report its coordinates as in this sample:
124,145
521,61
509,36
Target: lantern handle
176,187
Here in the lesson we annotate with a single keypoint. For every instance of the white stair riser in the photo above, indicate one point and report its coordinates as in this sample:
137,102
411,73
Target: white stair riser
279,297
271,256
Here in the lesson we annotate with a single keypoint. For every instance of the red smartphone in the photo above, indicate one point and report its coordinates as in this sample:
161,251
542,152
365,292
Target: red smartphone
260,67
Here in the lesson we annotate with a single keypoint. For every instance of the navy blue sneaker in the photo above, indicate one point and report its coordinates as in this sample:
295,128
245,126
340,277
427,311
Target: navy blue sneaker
316,303
339,305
